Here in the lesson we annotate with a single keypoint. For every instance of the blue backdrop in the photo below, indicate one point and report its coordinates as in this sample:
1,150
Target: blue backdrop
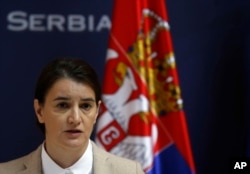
212,47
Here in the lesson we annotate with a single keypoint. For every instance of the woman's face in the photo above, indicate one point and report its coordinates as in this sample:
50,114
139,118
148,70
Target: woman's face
69,114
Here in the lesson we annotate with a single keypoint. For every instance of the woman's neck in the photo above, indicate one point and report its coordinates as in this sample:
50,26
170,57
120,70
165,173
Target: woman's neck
64,157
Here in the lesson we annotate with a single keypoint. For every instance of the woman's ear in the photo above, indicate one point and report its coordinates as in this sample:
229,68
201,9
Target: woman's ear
39,111
98,109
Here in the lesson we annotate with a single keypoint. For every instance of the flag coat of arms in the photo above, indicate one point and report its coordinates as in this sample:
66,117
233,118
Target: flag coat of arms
142,115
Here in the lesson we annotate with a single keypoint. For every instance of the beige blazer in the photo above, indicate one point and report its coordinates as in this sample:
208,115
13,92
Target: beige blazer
104,163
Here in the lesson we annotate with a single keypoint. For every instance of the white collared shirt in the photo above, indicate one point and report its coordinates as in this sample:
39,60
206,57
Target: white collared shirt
82,166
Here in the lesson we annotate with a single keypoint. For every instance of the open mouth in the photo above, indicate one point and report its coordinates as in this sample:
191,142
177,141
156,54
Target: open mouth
74,131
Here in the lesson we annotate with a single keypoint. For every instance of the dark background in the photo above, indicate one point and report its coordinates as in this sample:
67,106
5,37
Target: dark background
212,49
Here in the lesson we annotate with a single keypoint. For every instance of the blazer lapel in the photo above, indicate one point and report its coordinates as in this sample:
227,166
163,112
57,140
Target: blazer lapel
101,161
32,163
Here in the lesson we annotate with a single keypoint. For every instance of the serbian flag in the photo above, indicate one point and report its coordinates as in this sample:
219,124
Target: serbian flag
142,115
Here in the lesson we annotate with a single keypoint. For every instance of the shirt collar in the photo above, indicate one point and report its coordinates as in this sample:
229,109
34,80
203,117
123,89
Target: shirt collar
82,166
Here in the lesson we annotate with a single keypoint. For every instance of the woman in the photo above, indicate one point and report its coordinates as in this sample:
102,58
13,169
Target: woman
67,100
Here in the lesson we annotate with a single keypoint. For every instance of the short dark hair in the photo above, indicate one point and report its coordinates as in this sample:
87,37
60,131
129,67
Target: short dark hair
72,68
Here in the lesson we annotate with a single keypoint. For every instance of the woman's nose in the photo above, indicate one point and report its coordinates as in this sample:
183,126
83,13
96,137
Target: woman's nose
74,117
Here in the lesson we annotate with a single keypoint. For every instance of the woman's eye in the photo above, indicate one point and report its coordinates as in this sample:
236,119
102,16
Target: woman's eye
86,106
62,105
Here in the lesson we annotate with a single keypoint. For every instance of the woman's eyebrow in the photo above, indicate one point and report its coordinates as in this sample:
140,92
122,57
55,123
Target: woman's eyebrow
90,99
61,98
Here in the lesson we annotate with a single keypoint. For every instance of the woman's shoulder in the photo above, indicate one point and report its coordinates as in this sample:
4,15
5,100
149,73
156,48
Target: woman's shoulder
119,163
13,166
19,164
